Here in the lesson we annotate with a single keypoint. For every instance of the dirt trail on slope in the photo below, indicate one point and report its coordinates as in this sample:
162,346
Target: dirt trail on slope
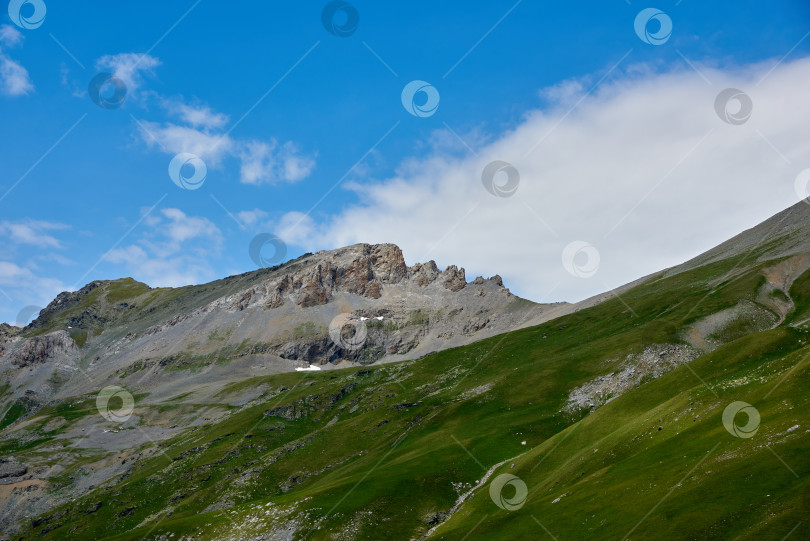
772,297
461,499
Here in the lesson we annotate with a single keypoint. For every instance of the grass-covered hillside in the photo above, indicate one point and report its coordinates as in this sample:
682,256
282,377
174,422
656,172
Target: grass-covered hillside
612,418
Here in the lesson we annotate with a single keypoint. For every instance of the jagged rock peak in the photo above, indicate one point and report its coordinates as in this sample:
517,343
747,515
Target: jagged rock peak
360,269
381,261
385,264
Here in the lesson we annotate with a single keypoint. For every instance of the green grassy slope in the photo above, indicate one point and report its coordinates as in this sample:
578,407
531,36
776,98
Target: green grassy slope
383,452
602,476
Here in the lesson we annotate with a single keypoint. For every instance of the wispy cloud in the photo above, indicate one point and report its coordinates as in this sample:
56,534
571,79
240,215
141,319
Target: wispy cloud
13,276
32,232
14,78
129,67
175,250
198,116
173,139
261,162
251,218
27,287
271,163
196,128
30,243
10,36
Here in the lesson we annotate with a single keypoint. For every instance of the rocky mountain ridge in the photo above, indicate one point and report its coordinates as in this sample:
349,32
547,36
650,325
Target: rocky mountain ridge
361,304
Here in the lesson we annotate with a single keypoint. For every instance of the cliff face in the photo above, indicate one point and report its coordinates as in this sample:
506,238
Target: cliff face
42,349
363,270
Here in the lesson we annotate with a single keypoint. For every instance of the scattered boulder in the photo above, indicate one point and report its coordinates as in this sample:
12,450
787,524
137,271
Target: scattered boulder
11,468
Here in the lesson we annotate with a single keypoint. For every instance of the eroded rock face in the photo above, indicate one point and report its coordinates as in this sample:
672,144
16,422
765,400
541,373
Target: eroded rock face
425,274
364,270
314,287
388,264
41,349
453,278
357,277
475,325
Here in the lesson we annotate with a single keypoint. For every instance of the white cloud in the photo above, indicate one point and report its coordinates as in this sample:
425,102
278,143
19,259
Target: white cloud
174,139
181,227
453,141
200,130
249,218
129,67
171,272
643,169
268,162
174,251
131,254
26,288
21,283
14,78
10,36
12,274
262,162
567,91
32,232
300,229
201,116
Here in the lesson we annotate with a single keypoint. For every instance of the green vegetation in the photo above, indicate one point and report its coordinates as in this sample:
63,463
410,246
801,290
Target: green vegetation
133,368
418,317
742,325
307,330
371,354
125,289
380,449
79,336
779,295
390,326
220,334
71,410
800,293
12,414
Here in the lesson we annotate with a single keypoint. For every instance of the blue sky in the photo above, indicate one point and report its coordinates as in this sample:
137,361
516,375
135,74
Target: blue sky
304,136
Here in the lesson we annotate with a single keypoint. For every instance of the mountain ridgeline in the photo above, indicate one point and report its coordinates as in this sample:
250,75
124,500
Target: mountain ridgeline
346,395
